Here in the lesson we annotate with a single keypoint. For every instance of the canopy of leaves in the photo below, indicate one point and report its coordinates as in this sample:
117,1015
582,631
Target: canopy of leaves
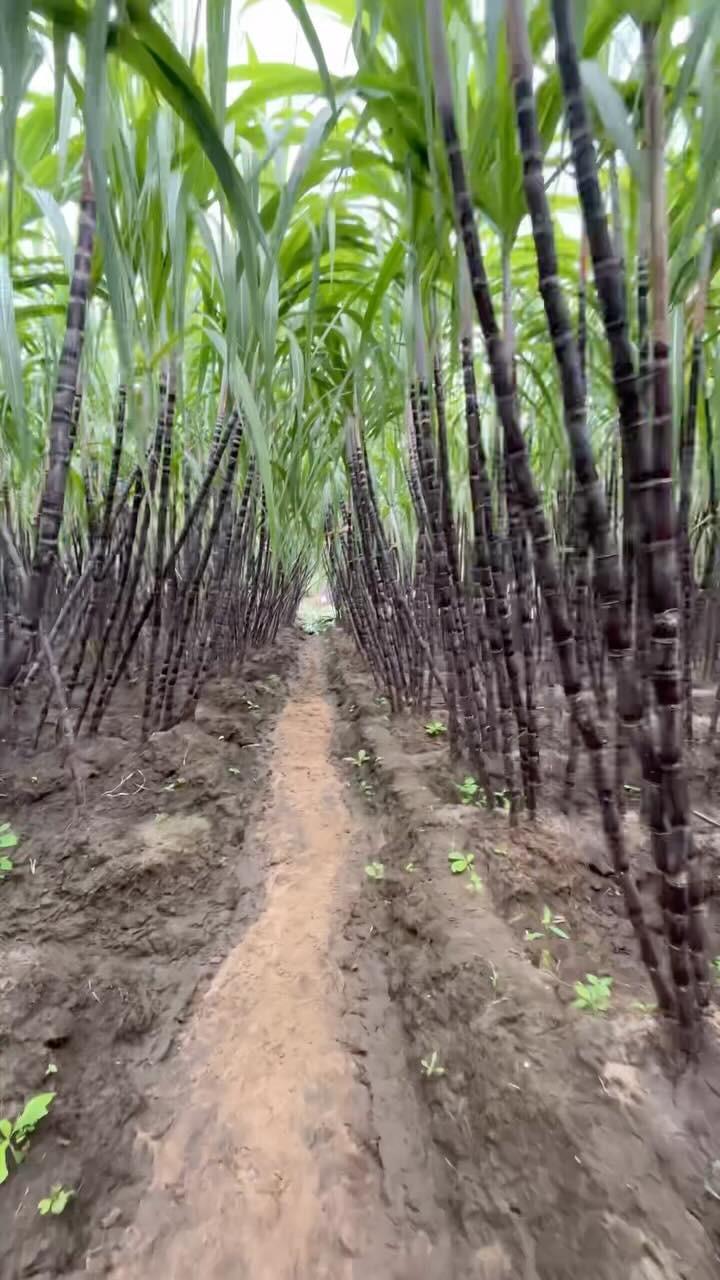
285,229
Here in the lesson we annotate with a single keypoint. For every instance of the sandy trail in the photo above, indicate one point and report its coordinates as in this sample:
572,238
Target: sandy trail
263,1171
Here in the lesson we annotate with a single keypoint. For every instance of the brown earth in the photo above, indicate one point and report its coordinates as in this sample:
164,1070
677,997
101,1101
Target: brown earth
239,1015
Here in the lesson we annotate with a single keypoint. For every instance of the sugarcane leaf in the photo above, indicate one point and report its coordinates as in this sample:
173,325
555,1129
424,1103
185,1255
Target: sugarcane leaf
11,360
61,39
95,117
146,47
49,206
218,13
611,109
494,11
300,10
14,53
702,26
389,270
243,390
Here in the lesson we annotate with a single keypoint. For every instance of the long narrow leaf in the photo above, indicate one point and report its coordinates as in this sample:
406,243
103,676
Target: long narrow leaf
10,356
299,8
611,109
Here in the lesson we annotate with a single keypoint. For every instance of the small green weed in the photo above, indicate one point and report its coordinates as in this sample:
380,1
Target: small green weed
716,967
435,728
550,924
363,760
14,1134
460,862
644,1006
594,994
57,1201
375,871
360,760
470,791
431,1066
8,840
474,884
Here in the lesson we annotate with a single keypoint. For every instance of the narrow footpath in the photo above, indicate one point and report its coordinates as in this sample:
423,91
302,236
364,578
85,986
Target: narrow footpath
269,1167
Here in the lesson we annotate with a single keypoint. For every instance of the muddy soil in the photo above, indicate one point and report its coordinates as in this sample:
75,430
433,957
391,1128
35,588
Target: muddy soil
572,1144
114,918
273,1065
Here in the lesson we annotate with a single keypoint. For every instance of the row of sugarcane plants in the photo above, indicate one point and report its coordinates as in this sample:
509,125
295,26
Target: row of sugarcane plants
444,621
161,582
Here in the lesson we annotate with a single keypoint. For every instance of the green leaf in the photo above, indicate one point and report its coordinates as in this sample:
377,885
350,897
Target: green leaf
34,1111
697,42
57,1201
61,40
14,50
241,386
6,864
218,39
459,862
314,137
375,871
611,109
3,1162
49,206
299,9
594,994
391,267
11,359
150,51
8,838
94,113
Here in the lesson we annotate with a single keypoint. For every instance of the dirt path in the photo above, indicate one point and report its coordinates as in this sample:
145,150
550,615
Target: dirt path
239,1018
267,1170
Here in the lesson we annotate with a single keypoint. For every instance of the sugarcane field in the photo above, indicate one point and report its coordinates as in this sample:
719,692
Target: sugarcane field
360,639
